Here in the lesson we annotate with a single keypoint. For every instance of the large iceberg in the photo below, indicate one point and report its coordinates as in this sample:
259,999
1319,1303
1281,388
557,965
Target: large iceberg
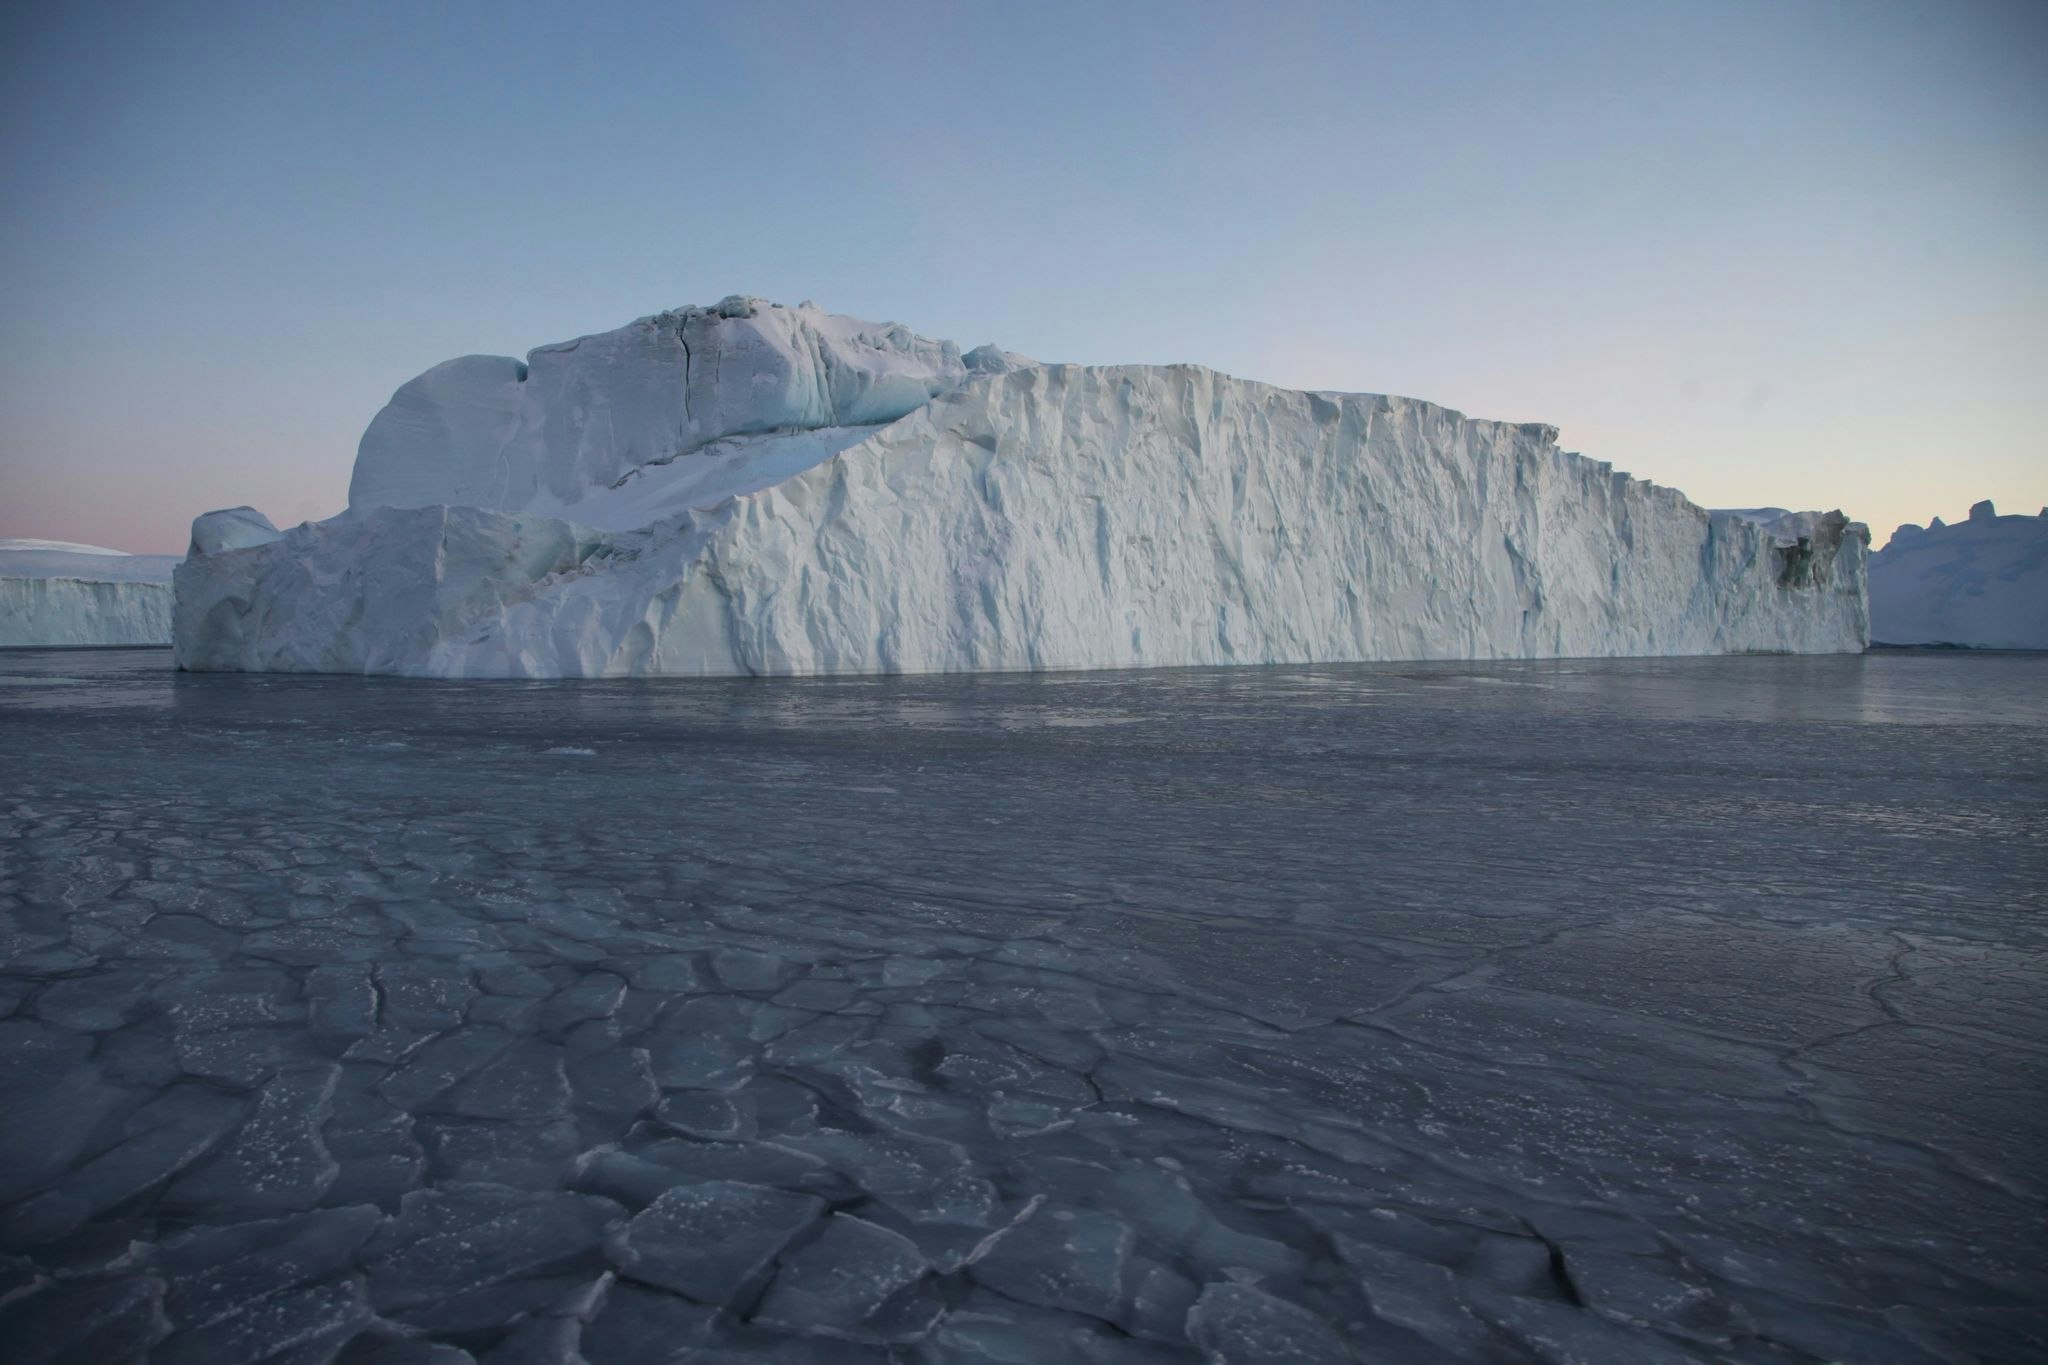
751,489
1982,583
58,592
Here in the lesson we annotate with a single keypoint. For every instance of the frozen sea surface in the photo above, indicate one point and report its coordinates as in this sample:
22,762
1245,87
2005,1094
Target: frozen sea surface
1630,1011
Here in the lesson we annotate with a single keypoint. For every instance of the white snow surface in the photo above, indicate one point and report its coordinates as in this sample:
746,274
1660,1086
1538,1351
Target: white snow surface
847,497
576,417
1981,582
231,528
28,558
59,592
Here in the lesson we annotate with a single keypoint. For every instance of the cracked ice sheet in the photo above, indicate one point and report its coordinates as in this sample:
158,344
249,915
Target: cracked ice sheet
1643,1010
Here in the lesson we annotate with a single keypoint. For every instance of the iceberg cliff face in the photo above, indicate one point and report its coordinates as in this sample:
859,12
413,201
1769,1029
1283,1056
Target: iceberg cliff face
846,498
1981,582
55,593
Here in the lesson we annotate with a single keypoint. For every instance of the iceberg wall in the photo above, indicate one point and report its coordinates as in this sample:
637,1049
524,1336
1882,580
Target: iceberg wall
1981,583
58,594
844,497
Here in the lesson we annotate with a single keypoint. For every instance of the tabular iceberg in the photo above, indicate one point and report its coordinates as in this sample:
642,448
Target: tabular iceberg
58,593
1982,583
749,489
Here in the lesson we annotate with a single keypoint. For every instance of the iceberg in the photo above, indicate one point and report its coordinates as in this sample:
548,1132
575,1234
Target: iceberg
231,528
1981,583
60,593
748,489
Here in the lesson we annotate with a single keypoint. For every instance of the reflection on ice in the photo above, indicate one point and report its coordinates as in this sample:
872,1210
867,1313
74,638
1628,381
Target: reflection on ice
1644,1010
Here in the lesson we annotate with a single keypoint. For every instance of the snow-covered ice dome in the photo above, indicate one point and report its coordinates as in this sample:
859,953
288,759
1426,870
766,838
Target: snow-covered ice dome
752,489
59,592
577,417
230,528
1981,582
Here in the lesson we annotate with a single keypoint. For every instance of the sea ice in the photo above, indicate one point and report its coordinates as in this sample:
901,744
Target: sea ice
213,1273
851,1281
1238,1325
830,1021
706,1240
1064,1258
446,1242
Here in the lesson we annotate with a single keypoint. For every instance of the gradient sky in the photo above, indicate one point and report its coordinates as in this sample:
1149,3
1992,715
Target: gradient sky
1779,253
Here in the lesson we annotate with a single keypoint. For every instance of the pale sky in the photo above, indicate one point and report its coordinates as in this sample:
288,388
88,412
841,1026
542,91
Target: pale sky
1782,253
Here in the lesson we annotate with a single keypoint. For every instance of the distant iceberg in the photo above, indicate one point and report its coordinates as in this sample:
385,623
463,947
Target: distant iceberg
1982,583
752,489
57,592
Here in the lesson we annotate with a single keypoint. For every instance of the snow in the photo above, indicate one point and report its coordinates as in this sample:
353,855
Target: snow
1981,582
30,545
58,592
489,431
231,528
750,489
26,558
